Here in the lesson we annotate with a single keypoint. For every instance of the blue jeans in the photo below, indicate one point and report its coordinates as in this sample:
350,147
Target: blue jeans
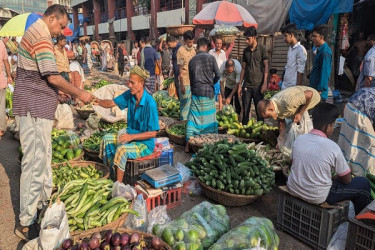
358,191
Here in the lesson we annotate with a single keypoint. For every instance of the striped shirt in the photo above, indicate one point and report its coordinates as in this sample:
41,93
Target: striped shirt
36,61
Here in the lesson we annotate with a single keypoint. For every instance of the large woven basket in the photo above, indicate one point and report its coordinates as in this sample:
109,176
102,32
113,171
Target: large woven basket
195,147
179,30
248,140
78,158
119,222
225,198
84,114
178,139
146,236
227,39
93,155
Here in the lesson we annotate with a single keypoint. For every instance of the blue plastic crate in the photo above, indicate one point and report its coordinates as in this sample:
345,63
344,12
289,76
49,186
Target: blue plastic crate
166,158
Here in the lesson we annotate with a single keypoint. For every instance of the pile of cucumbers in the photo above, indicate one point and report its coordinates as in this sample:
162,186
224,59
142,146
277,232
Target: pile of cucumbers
64,147
234,168
89,204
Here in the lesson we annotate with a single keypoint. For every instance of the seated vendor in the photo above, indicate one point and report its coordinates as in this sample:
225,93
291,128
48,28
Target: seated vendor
315,157
290,103
143,124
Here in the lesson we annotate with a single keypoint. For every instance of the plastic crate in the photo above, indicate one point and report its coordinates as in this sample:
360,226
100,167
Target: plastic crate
360,236
166,158
134,169
171,198
309,223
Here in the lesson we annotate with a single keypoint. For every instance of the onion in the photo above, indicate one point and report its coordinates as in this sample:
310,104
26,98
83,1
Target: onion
83,246
67,243
156,243
115,240
125,238
134,238
94,243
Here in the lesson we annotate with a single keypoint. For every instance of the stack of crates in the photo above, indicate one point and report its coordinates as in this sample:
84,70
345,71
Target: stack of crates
171,198
309,223
134,169
360,236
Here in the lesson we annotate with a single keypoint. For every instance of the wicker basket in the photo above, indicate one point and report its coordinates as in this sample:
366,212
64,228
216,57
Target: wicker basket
225,198
161,133
75,235
248,140
179,30
195,147
227,39
93,155
147,237
221,130
178,139
270,136
84,164
84,114
78,158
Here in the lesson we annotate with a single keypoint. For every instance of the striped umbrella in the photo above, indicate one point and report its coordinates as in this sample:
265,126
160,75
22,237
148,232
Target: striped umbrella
223,12
18,24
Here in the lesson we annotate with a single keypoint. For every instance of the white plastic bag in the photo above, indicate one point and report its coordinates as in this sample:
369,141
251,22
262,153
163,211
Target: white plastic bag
126,191
293,130
54,229
159,216
184,172
64,117
138,222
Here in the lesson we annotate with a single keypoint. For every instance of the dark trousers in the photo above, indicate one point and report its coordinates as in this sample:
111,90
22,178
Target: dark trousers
121,66
235,100
248,94
358,191
177,85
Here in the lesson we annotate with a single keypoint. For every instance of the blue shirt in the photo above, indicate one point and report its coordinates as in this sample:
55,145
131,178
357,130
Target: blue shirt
368,68
151,55
143,119
321,71
174,62
364,101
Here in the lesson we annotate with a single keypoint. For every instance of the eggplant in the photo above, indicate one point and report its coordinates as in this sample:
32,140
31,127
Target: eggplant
125,238
96,235
94,243
116,248
67,243
134,238
83,246
125,248
115,239
105,246
156,243
107,236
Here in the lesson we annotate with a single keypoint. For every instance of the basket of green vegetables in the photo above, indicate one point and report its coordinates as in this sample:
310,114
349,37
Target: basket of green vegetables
177,132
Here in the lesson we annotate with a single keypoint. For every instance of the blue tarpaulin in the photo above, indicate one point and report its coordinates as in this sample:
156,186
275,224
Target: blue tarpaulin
308,13
75,33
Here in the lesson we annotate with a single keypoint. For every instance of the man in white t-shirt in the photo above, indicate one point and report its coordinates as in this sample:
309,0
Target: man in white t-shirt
315,157
296,60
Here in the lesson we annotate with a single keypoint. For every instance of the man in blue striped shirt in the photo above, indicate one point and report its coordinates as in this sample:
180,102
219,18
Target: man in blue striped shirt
321,71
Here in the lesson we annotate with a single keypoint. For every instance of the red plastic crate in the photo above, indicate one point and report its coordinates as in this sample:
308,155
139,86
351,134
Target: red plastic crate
171,198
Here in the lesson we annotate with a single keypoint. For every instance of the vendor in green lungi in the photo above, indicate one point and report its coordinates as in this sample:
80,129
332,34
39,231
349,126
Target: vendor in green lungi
203,73
143,124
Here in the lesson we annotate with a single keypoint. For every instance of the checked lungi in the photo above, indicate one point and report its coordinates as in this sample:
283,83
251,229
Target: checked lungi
185,102
115,154
150,84
202,116
357,141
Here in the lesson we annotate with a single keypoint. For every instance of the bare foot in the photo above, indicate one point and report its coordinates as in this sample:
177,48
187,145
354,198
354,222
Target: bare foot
187,147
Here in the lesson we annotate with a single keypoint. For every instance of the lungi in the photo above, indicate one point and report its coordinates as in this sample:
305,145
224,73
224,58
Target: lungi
185,102
150,85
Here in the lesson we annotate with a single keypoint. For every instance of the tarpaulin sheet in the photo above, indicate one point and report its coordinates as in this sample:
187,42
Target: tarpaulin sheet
269,14
308,13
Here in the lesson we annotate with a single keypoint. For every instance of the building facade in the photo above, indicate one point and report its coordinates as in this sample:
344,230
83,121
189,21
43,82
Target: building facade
24,6
128,19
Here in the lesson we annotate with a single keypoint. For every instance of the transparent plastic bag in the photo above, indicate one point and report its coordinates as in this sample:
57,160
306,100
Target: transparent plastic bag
138,222
338,240
126,191
74,138
255,232
159,216
199,227
184,172
195,188
93,121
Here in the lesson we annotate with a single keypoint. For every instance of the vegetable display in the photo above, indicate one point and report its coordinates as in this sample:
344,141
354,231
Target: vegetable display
112,127
93,142
165,122
66,172
252,233
251,130
276,159
114,240
210,138
371,179
226,117
170,107
167,82
224,30
64,146
270,93
102,83
89,203
86,107
234,168
197,228
178,129
9,101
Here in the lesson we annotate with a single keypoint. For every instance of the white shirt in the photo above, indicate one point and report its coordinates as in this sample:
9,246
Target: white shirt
75,66
231,79
220,58
314,157
368,68
296,61
88,47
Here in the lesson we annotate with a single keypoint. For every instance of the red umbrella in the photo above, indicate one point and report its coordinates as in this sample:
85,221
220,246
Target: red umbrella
67,31
223,12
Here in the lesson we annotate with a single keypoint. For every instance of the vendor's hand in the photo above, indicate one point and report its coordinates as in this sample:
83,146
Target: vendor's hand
227,101
297,118
125,138
239,92
10,80
86,97
264,88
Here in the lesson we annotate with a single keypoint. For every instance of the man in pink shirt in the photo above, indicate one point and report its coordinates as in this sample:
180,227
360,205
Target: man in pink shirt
4,79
